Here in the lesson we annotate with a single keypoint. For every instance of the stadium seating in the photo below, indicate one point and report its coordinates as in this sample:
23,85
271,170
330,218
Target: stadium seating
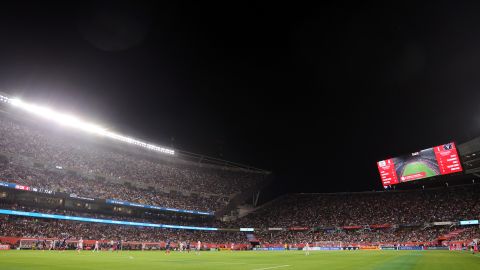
58,160
44,228
387,207
400,217
62,181
130,175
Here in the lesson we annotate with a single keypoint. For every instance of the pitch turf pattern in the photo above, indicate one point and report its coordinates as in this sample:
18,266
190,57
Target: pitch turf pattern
243,260
417,167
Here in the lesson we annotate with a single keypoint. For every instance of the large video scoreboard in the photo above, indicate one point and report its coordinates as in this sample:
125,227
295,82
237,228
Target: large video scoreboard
438,160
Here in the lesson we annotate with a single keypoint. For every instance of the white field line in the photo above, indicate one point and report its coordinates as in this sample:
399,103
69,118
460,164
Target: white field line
273,267
200,261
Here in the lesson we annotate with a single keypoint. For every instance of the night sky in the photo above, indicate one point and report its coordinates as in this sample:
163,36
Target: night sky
316,94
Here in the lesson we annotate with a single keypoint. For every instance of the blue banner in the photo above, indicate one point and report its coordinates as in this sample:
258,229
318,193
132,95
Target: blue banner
5,184
325,248
438,248
270,249
410,248
98,220
158,207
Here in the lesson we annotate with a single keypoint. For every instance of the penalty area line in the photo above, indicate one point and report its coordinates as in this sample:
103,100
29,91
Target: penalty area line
273,267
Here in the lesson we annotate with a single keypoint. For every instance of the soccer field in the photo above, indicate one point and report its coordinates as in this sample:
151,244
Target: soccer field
246,260
416,167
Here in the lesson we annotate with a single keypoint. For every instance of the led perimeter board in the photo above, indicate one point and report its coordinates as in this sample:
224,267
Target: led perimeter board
438,160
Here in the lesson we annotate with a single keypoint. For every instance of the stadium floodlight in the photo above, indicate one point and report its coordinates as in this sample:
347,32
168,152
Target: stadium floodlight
60,118
73,122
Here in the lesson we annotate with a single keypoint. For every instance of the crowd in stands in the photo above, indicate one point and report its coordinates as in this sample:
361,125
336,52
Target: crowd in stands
58,147
139,177
147,217
24,227
409,216
353,209
360,236
472,232
45,228
63,181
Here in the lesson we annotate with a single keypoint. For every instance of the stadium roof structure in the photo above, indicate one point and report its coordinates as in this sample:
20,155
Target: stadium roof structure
470,156
89,127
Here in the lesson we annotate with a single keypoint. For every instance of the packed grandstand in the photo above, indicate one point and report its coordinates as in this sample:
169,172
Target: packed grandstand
60,185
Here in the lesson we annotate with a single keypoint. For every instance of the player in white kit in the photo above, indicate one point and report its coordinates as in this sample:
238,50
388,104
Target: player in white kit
80,245
307,249
199,246
96,247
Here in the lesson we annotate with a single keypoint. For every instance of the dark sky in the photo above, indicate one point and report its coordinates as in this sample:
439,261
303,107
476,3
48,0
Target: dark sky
317,94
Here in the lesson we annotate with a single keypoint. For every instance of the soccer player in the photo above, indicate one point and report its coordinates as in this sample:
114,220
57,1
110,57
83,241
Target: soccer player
112,245
188,246
167,248
119,245
307,249
199,246
63,245
80,245
96,246
232,247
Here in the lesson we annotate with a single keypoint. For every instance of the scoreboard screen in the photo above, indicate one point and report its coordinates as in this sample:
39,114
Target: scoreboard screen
438,160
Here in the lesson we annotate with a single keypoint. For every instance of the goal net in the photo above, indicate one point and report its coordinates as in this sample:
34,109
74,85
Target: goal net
34,244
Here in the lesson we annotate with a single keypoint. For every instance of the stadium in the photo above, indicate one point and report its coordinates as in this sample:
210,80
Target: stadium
64,188
140,135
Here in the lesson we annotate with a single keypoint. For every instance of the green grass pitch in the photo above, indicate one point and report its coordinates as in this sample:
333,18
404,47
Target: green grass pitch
416,167
242,260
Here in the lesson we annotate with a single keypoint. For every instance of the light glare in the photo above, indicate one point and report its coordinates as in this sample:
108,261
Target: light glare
71,121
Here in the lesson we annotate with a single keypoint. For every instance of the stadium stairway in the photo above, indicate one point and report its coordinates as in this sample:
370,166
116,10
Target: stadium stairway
244,210
242,197
450,235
